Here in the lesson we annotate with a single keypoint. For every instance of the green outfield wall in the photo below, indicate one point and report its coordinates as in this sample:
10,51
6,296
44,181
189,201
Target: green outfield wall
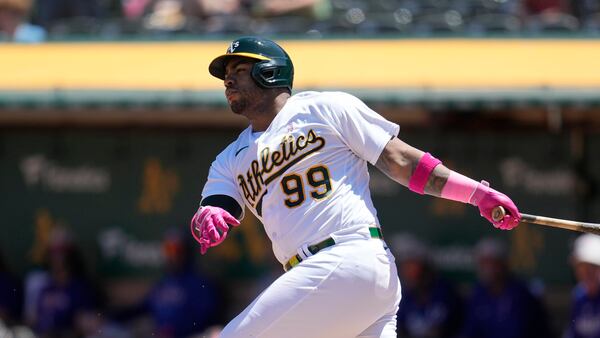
119,190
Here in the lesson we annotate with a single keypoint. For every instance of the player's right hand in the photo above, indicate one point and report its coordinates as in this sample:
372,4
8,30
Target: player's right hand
209,226
487,199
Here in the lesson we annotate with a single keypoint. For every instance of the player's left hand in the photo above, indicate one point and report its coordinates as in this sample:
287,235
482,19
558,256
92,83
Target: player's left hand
209,226
487,199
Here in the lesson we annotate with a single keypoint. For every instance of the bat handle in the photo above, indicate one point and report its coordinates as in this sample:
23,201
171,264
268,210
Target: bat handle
498,213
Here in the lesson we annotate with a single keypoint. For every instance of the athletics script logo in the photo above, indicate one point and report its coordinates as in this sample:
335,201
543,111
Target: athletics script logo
272,163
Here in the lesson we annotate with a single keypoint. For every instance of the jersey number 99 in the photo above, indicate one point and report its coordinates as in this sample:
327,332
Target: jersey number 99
293,186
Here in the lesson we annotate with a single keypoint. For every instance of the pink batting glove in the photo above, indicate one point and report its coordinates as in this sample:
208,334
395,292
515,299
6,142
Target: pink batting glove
487,199
209,226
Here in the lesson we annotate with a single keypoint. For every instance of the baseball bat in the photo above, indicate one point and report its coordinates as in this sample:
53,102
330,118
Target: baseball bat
498,213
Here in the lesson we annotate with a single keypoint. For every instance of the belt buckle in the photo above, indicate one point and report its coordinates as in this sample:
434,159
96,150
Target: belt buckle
294,261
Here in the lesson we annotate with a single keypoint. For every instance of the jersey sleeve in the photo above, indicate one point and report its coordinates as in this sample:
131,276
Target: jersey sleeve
221,180
364,131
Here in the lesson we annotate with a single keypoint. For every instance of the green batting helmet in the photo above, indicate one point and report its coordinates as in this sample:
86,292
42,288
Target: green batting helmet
272,69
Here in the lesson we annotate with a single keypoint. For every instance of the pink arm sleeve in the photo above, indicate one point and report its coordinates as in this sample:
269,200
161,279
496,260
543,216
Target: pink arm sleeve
459,188
419,178
463,189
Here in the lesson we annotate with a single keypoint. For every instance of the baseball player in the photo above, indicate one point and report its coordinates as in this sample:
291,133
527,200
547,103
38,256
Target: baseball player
301,168
585,301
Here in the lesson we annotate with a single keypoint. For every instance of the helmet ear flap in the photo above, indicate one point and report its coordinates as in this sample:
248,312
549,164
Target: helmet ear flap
268,73
272,73
258,73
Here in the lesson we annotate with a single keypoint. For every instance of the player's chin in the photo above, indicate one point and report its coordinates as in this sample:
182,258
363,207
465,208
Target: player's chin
237,106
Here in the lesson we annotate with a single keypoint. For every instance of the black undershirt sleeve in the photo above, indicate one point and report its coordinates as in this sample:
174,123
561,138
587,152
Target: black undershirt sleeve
224,202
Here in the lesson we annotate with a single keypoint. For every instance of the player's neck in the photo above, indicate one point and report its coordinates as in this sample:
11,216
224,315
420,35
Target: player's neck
264,114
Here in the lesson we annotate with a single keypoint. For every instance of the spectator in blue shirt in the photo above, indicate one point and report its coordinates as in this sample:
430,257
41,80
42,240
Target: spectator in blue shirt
585,309
182,303
66,293
430,307
501,306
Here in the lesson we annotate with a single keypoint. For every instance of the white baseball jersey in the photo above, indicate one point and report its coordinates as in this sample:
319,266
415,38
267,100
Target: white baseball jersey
306,177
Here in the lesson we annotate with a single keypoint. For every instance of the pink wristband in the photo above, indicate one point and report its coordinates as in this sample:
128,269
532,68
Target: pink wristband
419,178
459,188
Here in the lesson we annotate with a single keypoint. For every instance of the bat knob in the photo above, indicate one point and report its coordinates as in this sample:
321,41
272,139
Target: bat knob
498,213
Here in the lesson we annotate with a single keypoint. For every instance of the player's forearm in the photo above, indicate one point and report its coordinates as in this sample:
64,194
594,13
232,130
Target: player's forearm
437,181
401,162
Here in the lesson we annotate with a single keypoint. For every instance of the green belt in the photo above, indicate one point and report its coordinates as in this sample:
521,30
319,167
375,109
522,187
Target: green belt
296,259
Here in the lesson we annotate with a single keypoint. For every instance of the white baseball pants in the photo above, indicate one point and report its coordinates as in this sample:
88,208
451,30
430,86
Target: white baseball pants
347,290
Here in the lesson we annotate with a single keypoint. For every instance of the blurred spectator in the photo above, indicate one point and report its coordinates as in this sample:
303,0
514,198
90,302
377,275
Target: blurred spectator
35,281
550,16
210,8
585,312
134,9
65,17
13,22
169,15
66,293
314,9
182,303
502,306
194,15
430,307
166,16
546,6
